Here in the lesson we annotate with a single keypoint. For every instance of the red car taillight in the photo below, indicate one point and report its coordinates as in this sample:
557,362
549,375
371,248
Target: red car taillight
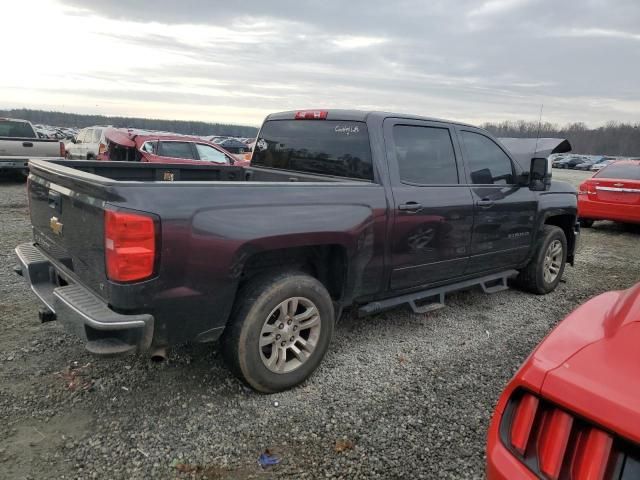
129,245
63,150
553,443
102,149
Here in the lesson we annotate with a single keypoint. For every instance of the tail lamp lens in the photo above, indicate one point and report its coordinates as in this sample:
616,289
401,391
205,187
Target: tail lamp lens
130,246
102,149
311,115
523,421
63,150
554,444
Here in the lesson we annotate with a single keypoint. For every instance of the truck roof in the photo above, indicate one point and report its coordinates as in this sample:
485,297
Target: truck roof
16,120
360,116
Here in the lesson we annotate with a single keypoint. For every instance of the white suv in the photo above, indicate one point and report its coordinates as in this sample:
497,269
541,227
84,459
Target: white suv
89,144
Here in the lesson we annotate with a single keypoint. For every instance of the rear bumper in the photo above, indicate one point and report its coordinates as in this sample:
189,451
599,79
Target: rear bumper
608,211
82,313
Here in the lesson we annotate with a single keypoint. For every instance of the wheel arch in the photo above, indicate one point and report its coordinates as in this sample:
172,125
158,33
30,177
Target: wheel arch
567,222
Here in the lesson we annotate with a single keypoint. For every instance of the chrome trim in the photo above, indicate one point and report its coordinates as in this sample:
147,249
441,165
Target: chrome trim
618,189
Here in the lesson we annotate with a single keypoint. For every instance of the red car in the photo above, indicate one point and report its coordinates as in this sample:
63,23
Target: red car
611,194
157,147
572,411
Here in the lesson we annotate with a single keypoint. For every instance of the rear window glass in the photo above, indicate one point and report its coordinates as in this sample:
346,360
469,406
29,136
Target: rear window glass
97,134
9,128
623,171
325,147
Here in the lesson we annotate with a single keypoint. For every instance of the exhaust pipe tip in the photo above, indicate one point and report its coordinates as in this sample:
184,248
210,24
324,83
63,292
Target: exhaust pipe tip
159,354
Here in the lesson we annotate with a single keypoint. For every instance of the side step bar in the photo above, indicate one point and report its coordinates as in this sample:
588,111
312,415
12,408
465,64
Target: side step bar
433,299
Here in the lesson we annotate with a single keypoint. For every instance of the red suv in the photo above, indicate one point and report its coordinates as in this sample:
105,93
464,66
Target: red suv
158,147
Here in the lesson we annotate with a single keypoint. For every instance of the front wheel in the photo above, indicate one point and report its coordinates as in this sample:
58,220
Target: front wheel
279,332
545,270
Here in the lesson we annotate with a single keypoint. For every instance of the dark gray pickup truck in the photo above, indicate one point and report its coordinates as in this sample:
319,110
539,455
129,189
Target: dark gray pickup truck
339,209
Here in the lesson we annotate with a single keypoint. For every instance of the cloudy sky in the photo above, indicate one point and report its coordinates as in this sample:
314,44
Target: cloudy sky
236,61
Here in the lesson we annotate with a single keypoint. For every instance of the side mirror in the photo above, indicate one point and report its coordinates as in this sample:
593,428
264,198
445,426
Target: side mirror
539,175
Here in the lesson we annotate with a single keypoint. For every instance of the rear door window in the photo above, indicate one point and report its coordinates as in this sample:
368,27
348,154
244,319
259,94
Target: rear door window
326,147
176,150
209,154
620,171
425,155
487,163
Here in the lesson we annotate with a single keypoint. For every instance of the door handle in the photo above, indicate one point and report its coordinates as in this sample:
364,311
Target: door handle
27,144
485,203
410,207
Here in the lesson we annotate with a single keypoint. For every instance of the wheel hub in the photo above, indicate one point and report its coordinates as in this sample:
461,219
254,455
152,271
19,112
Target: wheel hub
289,335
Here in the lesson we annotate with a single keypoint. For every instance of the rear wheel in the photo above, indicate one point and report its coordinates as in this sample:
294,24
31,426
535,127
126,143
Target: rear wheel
279,332
545,270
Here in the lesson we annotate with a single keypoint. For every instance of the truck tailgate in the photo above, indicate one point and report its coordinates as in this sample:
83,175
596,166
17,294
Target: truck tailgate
68,226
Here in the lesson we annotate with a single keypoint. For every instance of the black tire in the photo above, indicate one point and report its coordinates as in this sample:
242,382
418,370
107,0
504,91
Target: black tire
256,300
531,277
586,222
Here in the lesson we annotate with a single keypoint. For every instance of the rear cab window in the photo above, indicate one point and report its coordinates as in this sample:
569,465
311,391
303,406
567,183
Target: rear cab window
620,171
325,147
16,129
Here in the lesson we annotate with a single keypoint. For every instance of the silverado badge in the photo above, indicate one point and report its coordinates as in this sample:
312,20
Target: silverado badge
56,225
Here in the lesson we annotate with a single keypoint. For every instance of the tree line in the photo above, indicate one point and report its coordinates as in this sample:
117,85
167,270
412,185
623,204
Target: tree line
613,138
61,119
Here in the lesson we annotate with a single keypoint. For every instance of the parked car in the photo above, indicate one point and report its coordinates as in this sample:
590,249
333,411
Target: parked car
572,411
89,144
240,150
600,165
613,193
585,165
569,162
20,143
159,147
339,209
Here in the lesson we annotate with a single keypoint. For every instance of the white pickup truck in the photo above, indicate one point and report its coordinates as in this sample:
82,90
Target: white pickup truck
19,143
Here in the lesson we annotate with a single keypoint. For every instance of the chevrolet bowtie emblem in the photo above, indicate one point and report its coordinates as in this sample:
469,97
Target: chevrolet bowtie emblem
56,225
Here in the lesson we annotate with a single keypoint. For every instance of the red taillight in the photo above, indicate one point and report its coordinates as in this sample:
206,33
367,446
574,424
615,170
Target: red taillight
130,246
553,441
311,115
102,149
63,151
523,421
587,188
593,455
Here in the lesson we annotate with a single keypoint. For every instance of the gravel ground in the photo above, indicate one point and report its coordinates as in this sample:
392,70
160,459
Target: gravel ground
399,395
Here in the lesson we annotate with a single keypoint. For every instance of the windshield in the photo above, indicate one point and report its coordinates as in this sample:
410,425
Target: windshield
16,129
326,147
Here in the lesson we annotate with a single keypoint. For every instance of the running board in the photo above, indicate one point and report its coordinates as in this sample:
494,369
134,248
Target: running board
433,299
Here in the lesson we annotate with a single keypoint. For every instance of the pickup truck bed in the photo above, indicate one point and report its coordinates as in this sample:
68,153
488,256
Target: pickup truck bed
134,255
